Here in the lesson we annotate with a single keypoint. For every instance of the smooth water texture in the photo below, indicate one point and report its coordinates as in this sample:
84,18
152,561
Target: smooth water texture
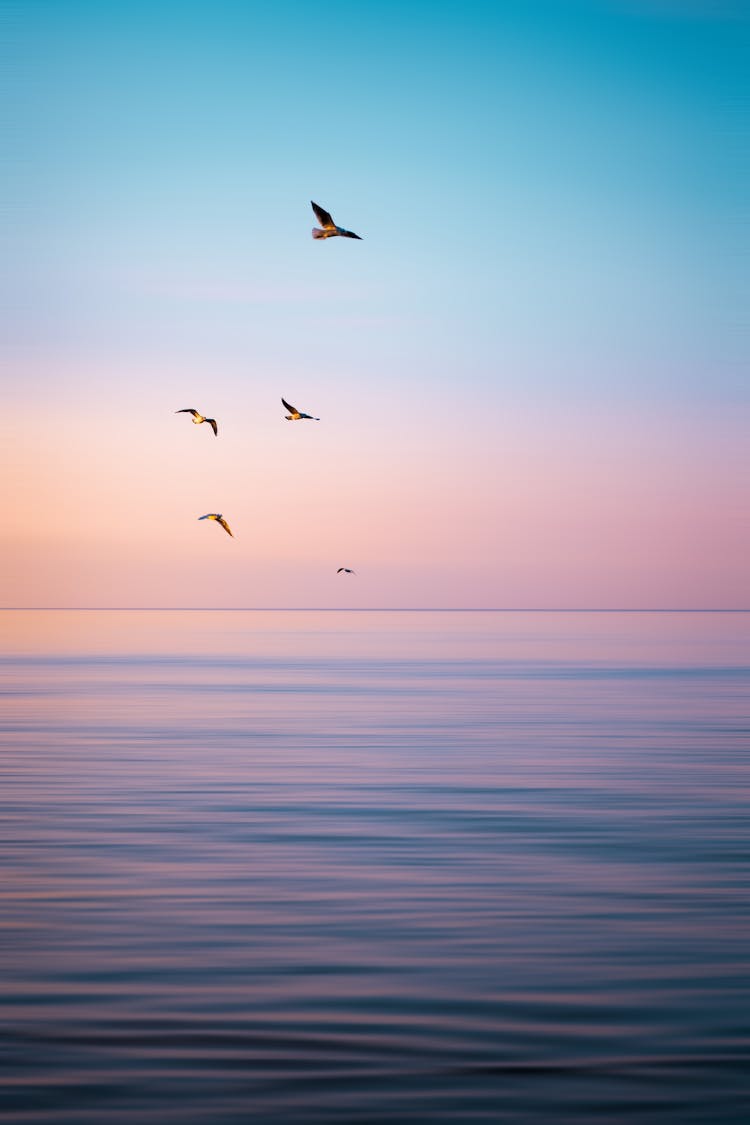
320,867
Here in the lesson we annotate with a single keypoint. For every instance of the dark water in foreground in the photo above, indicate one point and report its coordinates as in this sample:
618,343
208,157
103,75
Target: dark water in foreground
374,867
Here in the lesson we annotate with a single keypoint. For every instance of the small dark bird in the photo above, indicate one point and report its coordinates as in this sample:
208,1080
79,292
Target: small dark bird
198,418
294,415
219,519
330,230
345,570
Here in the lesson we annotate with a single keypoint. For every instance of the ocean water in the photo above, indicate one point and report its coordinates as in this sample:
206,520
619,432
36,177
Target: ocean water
351,867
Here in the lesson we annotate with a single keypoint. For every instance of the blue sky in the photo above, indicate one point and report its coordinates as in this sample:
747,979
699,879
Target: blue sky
550,196
495,156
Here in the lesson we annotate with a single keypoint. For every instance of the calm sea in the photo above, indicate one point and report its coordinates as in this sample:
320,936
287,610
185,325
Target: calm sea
352,867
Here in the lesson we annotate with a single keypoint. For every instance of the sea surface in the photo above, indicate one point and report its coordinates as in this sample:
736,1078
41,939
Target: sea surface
363,867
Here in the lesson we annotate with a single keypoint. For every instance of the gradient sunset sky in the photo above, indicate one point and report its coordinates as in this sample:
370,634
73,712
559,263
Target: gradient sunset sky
531,373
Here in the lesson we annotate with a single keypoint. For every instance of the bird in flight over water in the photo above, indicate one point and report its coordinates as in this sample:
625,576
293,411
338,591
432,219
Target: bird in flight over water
219,519
345,570
330,230
198,418
295,415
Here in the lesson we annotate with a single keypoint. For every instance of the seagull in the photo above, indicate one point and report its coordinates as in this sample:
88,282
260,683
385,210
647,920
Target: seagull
219,519
198,418
345,570
294,415
330,230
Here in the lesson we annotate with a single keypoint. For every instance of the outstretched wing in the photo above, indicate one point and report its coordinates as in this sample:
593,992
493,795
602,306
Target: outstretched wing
225,525
187,410
322,216
291,409
212,424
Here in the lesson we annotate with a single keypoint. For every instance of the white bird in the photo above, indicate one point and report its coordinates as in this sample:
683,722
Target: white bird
219,519
198,418
295,415
345,570
330,230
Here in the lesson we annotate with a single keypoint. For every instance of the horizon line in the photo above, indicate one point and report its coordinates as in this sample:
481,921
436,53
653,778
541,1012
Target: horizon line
367,609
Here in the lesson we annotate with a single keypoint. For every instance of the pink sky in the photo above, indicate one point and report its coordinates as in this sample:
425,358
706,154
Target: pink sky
542,506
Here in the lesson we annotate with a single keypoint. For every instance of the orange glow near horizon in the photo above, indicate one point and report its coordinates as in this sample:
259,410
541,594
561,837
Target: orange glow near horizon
591,510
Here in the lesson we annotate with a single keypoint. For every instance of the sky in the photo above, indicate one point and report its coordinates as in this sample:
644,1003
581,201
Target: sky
531,373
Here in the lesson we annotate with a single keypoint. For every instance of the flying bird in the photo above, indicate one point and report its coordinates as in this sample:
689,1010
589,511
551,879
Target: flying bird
198,418
219,519
345,570
295,415
330,230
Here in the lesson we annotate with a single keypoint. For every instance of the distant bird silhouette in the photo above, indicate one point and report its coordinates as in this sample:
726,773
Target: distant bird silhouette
198,418
330,230
345,570
219,519
294,415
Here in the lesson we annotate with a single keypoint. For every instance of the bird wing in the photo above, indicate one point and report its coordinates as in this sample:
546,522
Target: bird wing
340,569
291,409
187,410
208,516
224,524
322,216
214,427
350,234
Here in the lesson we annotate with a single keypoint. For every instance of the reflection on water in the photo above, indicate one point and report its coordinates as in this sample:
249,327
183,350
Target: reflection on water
374,867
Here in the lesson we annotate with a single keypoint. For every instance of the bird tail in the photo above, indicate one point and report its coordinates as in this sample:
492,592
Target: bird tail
318,233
